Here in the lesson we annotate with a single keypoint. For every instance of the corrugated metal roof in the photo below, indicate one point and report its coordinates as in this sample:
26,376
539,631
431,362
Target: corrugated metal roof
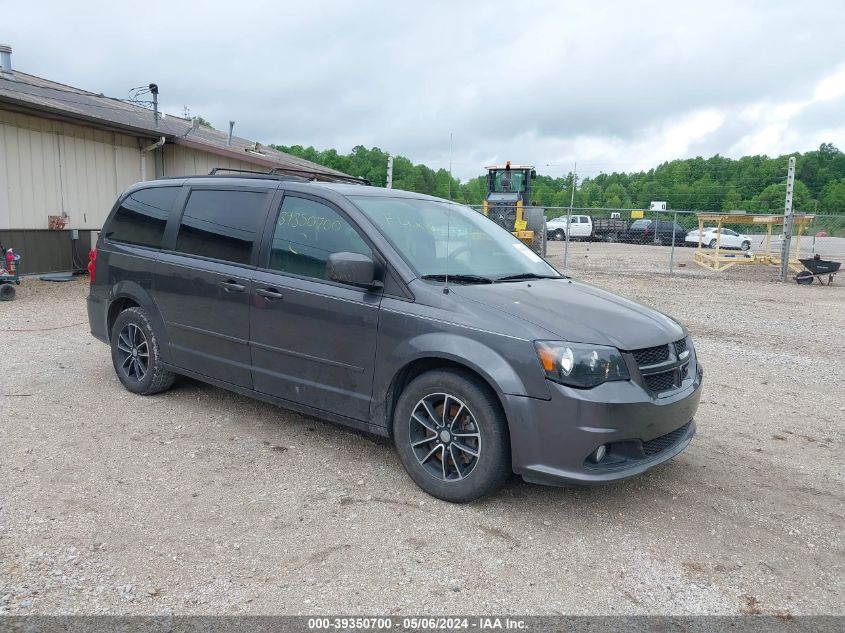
35,93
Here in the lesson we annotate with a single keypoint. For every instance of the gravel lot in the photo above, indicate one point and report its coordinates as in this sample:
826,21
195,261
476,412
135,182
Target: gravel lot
201,501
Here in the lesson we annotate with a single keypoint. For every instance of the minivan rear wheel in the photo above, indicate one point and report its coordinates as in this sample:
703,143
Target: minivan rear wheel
136,356
451,436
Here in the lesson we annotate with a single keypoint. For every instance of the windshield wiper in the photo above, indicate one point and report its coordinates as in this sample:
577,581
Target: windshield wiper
527,276
467,279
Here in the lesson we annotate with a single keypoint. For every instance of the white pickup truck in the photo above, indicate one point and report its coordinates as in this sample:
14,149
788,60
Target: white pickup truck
582,228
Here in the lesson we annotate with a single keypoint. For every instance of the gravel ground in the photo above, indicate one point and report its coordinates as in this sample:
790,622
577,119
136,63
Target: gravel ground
201,501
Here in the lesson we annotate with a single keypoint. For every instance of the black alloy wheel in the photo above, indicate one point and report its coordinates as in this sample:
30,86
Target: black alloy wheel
451,435
445,437
135,354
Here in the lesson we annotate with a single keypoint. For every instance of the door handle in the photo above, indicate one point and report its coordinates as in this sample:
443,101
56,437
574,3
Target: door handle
271,294
232,286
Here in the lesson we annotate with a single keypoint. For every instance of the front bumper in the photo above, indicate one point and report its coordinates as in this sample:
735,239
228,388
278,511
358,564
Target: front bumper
552,440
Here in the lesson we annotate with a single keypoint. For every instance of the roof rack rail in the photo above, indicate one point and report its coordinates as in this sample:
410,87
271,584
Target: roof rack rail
249,173
217,170
303,175
314,174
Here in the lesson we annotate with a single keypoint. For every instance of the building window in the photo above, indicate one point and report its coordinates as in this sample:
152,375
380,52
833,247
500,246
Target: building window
142,216
306,233
221,224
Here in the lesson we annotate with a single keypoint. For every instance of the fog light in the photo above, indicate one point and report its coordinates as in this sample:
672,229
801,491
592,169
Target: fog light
599,453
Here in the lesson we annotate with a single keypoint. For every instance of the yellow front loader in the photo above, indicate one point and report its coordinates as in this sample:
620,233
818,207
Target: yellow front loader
508,204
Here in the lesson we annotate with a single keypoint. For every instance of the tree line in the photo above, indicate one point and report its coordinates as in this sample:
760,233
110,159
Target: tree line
750,183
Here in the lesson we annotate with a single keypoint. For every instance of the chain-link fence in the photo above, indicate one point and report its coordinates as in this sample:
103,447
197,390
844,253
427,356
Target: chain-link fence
637,241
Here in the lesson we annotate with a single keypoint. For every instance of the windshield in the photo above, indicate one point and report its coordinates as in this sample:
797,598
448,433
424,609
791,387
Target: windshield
508,180
437,238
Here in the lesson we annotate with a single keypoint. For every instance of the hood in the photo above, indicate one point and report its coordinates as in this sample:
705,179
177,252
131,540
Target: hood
577,312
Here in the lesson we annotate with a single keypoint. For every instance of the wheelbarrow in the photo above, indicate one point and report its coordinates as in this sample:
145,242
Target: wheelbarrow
817,268
10,278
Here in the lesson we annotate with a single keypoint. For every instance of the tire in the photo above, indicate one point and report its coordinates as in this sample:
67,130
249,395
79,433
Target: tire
805,278
610,238
712,244
559,235
7,292
745,245
132,341
535,220
476,410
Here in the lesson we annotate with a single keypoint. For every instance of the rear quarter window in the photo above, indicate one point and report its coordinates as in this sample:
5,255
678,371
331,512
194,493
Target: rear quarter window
142,216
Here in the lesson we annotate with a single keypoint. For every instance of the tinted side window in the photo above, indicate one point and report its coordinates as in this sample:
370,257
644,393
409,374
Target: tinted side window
142,216
306,233
221,224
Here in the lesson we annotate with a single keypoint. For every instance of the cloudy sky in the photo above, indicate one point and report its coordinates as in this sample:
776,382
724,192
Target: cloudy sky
613,86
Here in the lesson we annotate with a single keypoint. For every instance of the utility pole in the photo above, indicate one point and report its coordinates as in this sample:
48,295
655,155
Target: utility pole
569,214
787,221
389,184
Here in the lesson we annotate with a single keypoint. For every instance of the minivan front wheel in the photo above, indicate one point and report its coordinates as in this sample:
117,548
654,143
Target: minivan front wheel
136,356
451,436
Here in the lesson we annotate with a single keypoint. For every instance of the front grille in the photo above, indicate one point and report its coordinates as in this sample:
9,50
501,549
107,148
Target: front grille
659,444
503,214
660,365
664,381
651,355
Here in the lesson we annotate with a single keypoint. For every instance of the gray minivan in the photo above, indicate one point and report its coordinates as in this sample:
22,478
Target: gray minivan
395,313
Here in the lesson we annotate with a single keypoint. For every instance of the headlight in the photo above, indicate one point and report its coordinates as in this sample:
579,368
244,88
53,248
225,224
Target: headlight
579,365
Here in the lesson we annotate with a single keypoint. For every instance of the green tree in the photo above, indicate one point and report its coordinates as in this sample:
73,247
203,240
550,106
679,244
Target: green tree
833,197
773,197
752,183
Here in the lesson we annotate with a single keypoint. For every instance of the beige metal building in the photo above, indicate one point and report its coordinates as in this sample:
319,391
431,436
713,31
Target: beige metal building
66,154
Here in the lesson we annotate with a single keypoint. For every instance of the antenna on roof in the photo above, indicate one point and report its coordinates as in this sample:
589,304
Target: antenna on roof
231,127
450,166
448,235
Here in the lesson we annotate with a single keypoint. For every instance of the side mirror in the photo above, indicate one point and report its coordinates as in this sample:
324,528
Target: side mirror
354,269
533,174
